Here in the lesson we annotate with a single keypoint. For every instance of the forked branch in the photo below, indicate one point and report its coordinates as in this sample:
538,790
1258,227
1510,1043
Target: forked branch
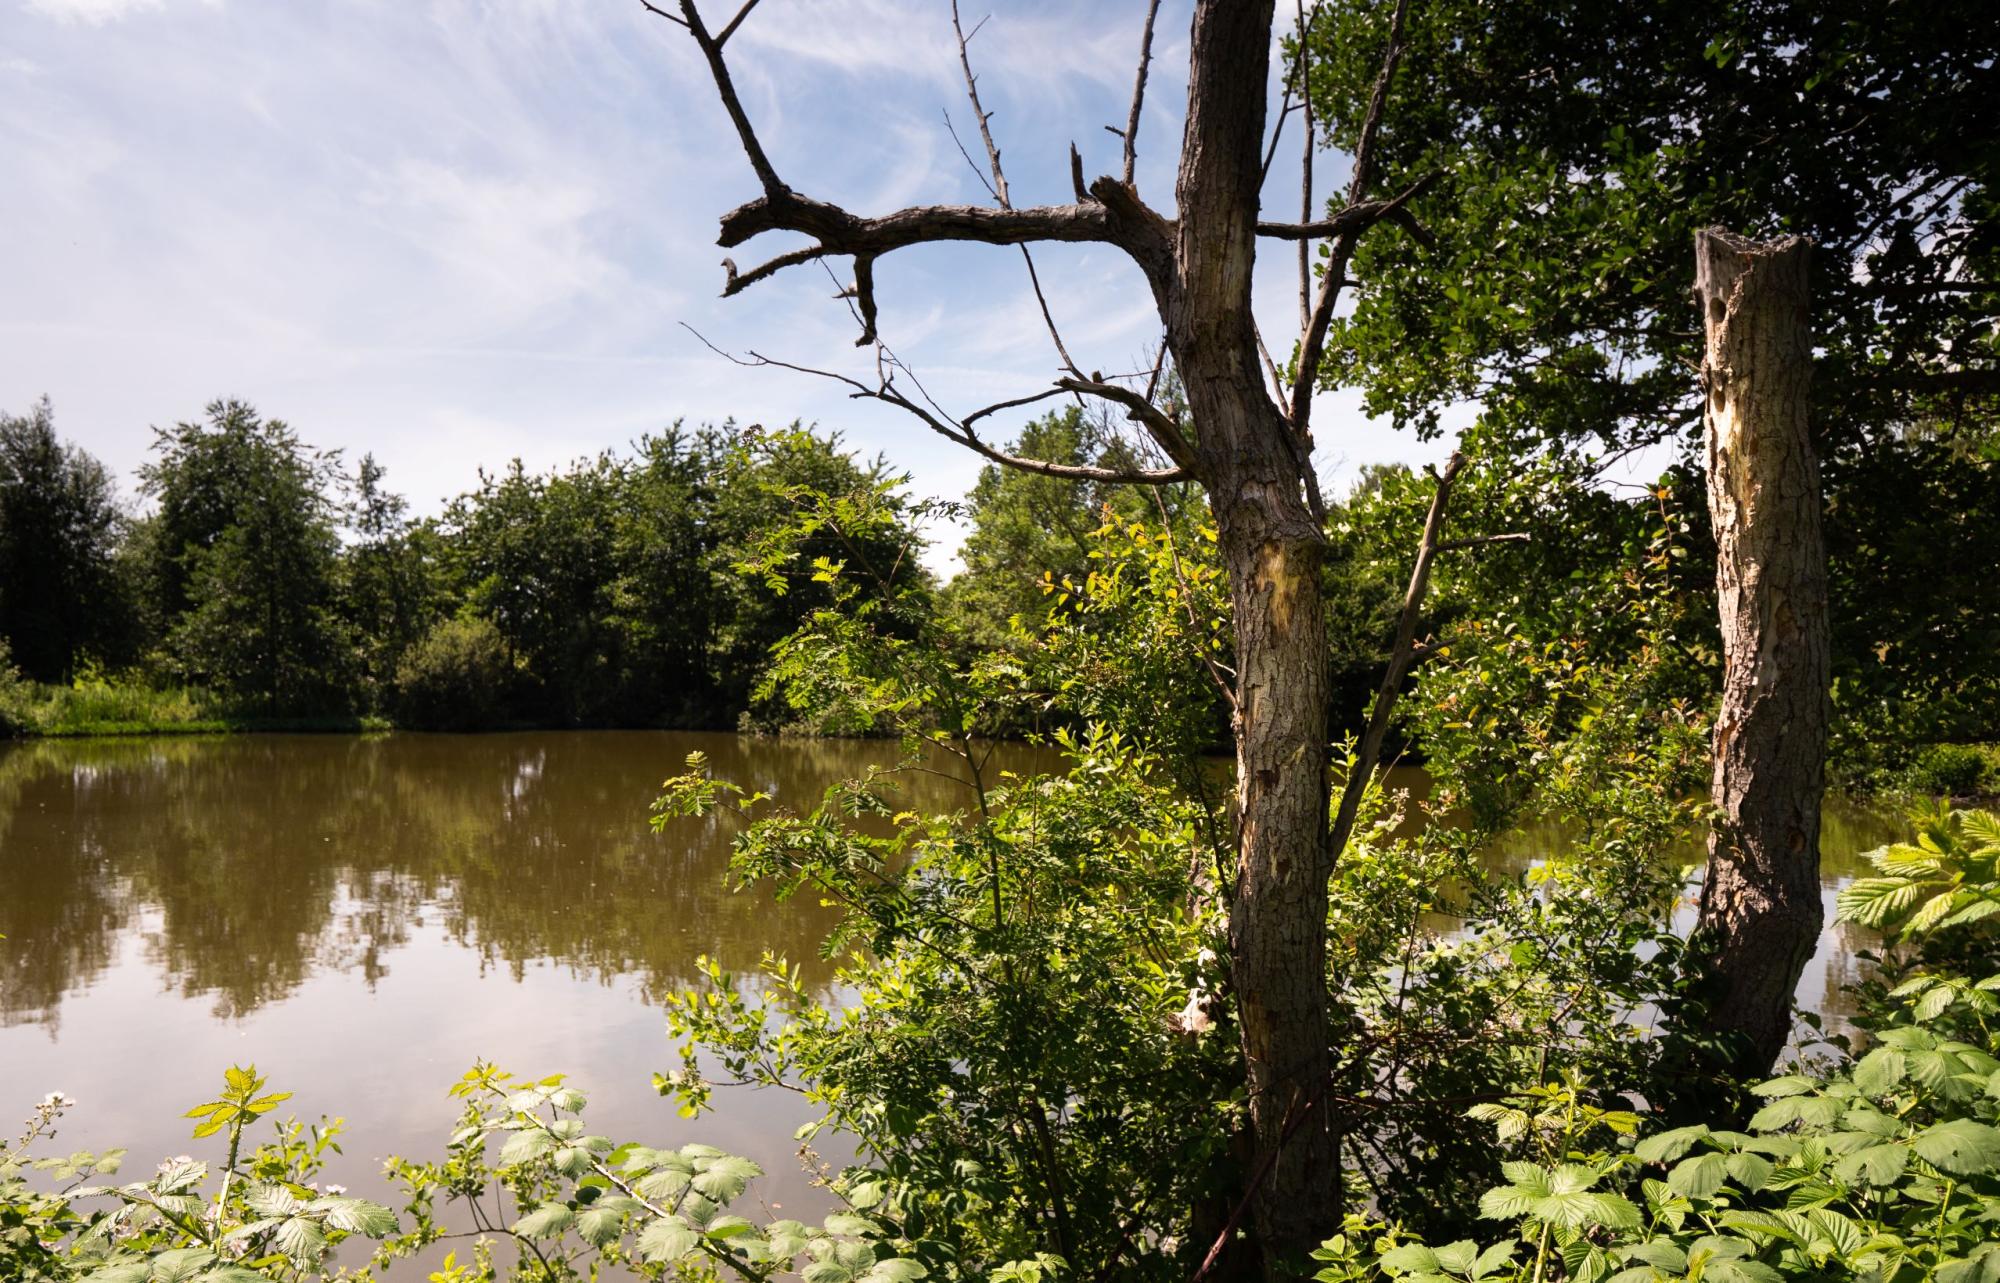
1121,221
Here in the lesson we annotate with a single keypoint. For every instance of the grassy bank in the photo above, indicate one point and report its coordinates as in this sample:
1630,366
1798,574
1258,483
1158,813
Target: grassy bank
96,707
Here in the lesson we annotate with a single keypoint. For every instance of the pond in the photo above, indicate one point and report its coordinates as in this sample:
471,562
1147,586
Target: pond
362,917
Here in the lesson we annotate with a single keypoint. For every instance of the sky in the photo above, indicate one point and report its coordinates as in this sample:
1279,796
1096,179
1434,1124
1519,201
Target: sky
455,232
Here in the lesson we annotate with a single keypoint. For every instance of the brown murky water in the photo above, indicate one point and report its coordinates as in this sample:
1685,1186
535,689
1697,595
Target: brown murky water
361,917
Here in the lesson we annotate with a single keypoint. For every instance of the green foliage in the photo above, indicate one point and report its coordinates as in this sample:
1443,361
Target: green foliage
1016,1052
15,717
1953,771
59,524
1886,1169
1947,878
575,1203
1028,529
1570,151
456,677
1024,1052
267,1220
247,548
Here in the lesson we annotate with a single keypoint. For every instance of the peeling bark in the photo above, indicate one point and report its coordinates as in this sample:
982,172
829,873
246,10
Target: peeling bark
1760,905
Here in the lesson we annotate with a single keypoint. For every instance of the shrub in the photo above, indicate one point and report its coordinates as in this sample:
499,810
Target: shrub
1955,770
1888,1169
457,677
14,694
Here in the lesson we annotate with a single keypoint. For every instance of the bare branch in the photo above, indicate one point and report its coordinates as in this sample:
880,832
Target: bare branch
998,184
1313,340
838,231
730,28
1305,171
1369,754
1352,219
957,431
656,11
1048,317
734,281
711,49
1165,432
1480,541
1139,92
979,113
1017,402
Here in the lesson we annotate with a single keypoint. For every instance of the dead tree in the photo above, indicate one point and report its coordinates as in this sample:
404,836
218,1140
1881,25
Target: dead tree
1760,904
1249,446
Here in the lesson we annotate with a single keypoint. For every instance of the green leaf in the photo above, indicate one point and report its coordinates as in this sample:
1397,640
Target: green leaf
1876,1165
1789,1085
181,1263
1749,1170
1846,1237
600,1225
1457,1258
355,1216
853,1226
1492,1259
1667,1146
1700,1176
725,1178
898,1269
1880,1070
1960,1146
667,1238
301,1238
1661,1253
1410,1258
546,1221
523,1146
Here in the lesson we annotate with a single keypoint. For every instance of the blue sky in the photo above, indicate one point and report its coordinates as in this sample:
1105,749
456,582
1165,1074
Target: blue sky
452,232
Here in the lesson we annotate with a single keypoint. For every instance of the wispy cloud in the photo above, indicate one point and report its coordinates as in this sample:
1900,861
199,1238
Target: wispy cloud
450,231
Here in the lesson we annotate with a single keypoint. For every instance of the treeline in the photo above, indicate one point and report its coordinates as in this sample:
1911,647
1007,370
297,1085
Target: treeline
281,584
260,580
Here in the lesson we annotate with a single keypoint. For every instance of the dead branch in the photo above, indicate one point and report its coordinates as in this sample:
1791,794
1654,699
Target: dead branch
980,115
1313,340
1369,753
955,430
998,185
1121,220
1165,432
1352,219
1305,170
1139,93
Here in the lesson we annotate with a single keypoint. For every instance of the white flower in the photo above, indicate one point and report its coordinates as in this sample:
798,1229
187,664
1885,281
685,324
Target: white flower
58,1100
336,1189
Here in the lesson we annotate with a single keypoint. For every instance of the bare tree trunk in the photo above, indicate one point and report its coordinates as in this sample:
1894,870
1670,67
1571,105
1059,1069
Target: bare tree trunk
1760,905
1250,452
1272,548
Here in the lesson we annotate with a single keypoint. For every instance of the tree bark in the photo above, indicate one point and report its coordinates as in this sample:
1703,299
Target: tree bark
1272,549
1760,905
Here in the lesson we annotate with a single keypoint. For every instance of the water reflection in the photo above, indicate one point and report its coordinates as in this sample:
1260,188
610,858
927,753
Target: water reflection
363,916
246,865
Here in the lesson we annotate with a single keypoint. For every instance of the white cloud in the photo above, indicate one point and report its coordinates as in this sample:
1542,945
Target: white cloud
450,231
98,12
